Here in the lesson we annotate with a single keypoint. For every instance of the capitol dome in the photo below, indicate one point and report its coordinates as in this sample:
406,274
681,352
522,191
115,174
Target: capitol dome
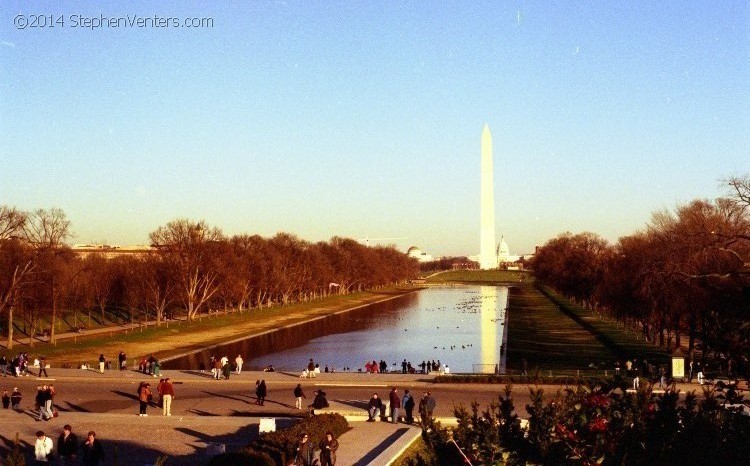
418,254
503,252
414,251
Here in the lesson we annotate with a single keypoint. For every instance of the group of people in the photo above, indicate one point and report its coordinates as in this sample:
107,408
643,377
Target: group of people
425,367
222,367
12,400
376,407
320,400
312,370
635,369
45,395
165,390
306,451
43,408
17,366
68,449
149,366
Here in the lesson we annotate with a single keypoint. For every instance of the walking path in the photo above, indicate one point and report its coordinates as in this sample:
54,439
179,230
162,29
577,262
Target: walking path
201,427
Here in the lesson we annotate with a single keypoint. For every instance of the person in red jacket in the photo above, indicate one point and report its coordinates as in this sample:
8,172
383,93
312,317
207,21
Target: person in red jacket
167,395
395,404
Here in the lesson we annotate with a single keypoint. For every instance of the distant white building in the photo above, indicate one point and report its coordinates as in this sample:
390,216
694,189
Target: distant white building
110,251
418,254
502,251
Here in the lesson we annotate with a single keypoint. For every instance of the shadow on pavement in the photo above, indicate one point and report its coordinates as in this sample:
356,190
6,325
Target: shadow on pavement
382,446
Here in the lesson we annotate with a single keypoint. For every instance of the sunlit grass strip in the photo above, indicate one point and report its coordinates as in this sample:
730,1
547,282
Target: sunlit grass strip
551,335
481,276
177,337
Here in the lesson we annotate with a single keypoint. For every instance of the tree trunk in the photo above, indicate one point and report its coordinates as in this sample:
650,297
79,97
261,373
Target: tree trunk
10,326
54,316
691,336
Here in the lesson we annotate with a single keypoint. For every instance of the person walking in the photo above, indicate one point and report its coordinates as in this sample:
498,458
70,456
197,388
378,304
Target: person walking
408,403
305,451
298,395
92,449
374,407
217,369
144,396
42,449
44,403
67,446
238,363
395,404
6,399
167,395
4,365
102,360
260,392
328,447
43,366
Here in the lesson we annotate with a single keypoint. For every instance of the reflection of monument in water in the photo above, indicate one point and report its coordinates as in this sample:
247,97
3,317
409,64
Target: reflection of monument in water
492,321
488,318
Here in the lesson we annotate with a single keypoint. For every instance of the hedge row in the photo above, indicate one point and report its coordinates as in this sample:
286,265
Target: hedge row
278,448
516,379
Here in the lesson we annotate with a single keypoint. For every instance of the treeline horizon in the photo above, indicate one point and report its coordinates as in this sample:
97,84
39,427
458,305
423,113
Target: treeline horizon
686,274
192,267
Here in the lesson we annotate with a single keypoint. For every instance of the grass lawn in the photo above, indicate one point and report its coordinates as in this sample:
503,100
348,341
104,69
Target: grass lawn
177,337
417,450
499,277
553,334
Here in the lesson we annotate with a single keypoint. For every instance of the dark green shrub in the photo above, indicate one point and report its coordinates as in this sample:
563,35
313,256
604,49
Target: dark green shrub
602,424
244,457
281,445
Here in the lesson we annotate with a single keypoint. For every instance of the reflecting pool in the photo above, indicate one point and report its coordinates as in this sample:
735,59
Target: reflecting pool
461,326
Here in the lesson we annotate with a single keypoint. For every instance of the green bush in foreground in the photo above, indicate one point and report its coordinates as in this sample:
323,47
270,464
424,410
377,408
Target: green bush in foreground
599,424
244,457
278,448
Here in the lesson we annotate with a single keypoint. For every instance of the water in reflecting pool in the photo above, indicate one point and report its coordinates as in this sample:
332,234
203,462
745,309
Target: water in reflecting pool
460,326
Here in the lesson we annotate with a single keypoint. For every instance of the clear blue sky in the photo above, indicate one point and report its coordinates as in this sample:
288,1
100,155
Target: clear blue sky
364,118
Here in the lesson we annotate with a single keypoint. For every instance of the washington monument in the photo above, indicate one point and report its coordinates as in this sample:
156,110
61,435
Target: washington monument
487,253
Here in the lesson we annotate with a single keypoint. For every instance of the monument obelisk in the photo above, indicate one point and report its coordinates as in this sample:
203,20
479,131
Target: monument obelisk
487,253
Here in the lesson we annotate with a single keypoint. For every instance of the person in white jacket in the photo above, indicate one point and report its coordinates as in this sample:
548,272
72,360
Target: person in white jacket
42,448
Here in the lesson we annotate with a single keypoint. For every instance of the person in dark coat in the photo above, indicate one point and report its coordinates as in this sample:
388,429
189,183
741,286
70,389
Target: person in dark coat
408,403
260,392
15,399
374,407
320,401
328,447
305,451
67,446
298,395
92,449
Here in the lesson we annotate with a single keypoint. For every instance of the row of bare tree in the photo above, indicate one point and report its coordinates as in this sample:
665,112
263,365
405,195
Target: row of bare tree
687,273
191,266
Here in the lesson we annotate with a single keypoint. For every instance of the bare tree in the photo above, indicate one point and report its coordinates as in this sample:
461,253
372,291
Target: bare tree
189,245
12,222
